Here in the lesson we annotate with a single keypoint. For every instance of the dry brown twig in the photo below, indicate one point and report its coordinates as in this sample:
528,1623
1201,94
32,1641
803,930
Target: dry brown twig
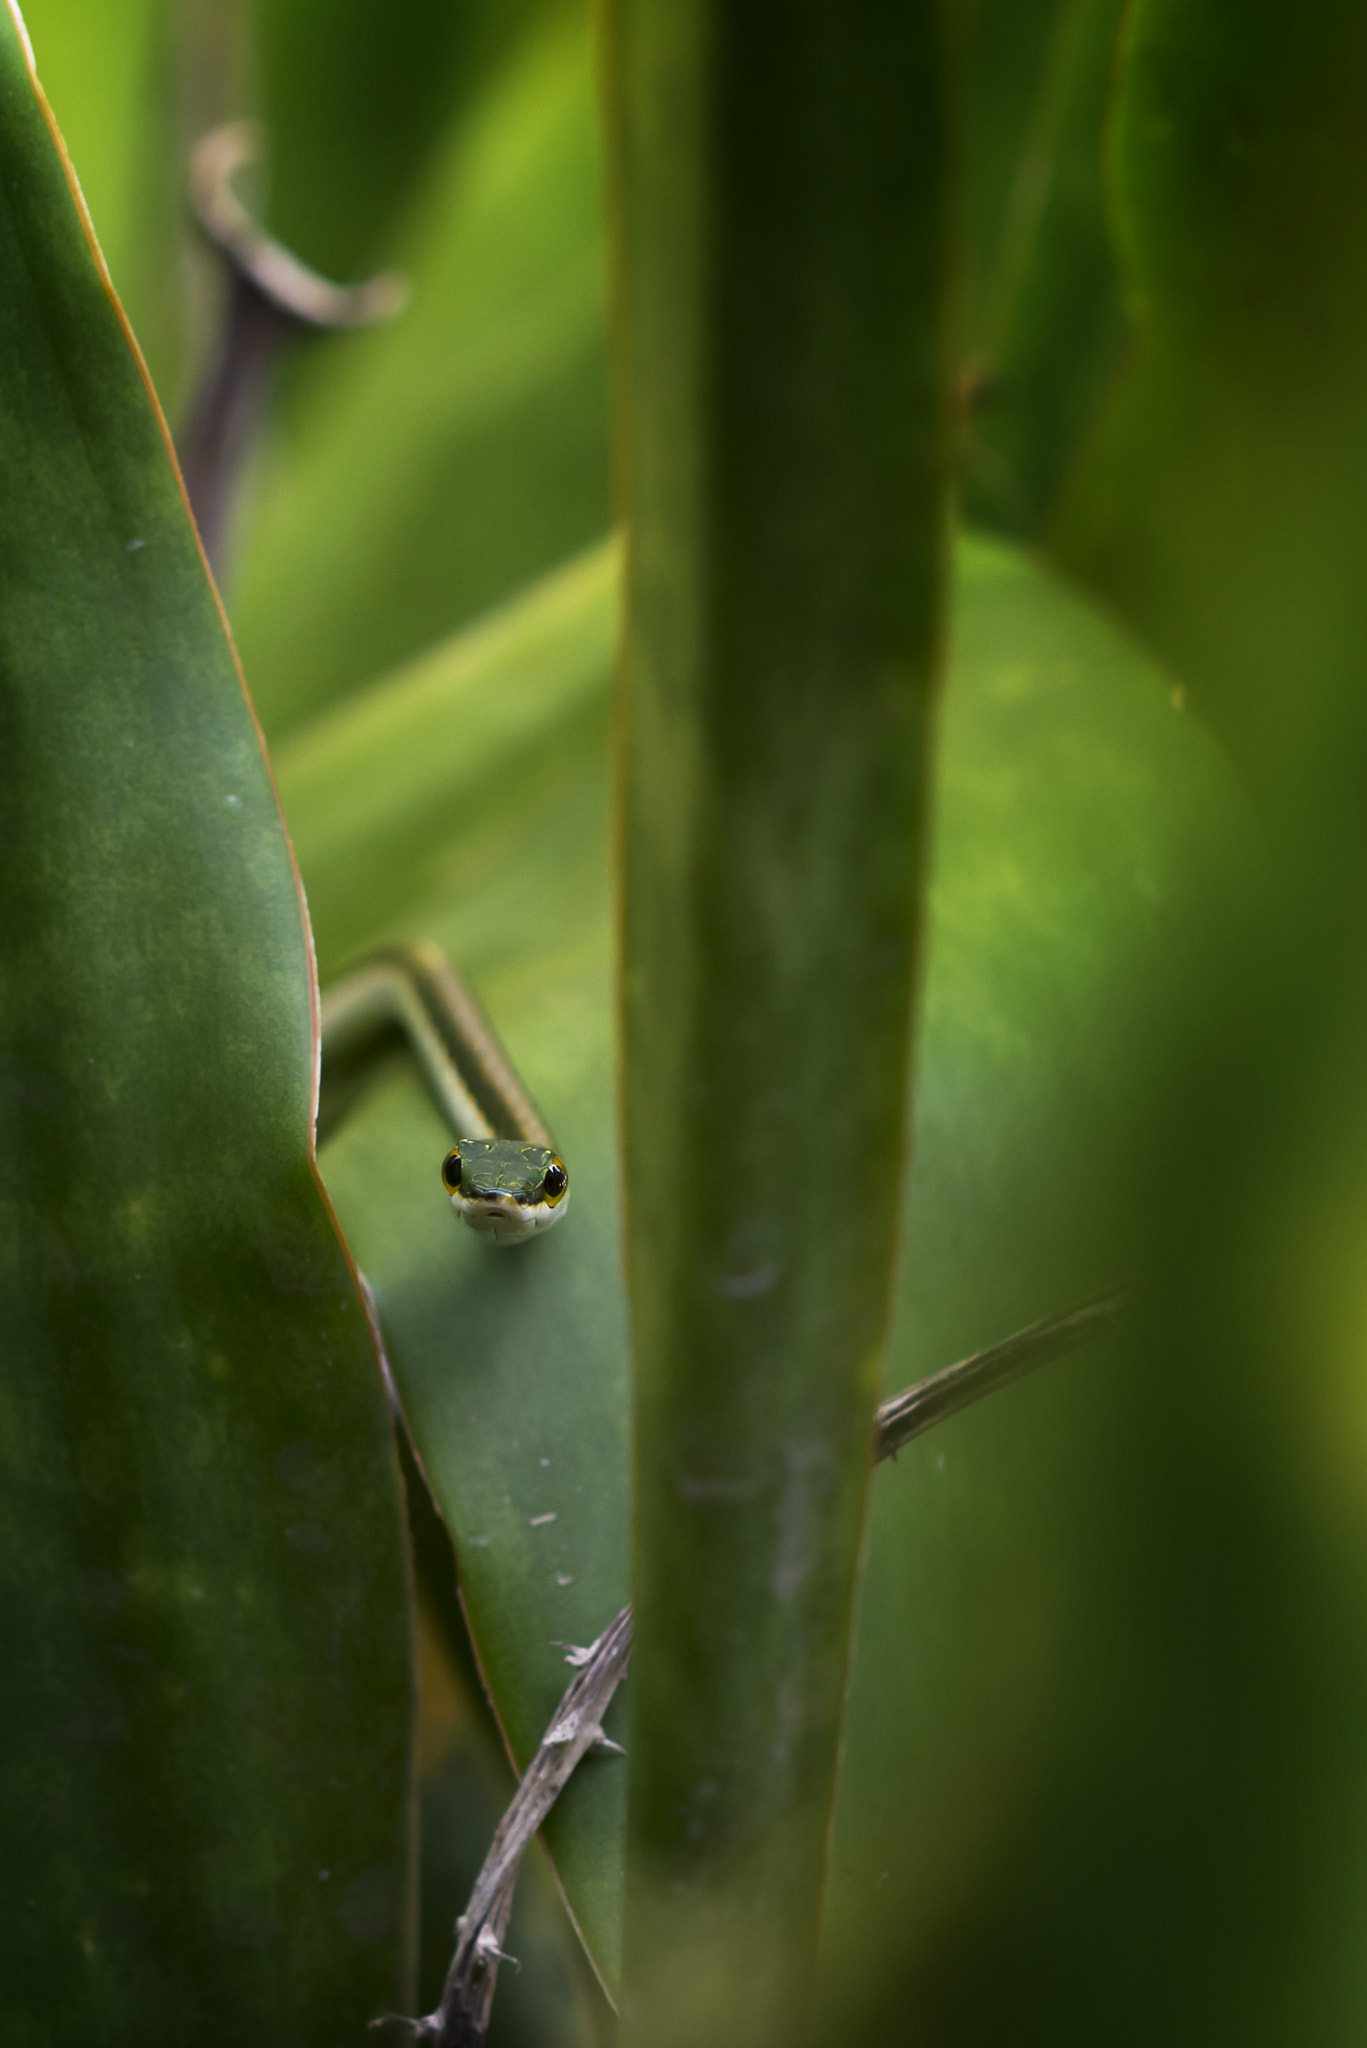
271,297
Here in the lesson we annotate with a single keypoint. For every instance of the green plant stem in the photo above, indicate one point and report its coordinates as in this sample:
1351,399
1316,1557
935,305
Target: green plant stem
781,193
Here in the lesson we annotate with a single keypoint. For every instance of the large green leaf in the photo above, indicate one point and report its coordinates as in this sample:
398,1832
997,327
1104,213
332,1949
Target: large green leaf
424,470
1079,813
203,1785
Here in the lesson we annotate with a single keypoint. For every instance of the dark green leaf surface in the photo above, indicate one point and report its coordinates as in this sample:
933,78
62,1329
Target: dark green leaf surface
1078,812
424,470
783,225
203,1799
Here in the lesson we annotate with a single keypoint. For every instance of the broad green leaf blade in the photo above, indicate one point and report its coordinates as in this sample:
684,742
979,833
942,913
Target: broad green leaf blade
783,236
205,1702
1079,812
424,470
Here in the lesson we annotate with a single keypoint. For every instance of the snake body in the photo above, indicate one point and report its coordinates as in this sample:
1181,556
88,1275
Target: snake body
503,1176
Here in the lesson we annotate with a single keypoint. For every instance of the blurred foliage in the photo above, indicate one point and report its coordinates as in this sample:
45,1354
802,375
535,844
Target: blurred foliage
355,99
1221,506
1104,1768
1045,327
423,470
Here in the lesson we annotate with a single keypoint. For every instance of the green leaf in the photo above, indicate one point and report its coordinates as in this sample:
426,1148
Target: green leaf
202,1575
1079,816
423,470
783,240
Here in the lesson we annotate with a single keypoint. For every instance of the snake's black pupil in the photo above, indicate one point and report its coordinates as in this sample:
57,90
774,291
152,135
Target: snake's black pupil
450,1170
556,1178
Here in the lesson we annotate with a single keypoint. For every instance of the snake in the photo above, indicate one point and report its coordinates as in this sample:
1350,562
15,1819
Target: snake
503,1176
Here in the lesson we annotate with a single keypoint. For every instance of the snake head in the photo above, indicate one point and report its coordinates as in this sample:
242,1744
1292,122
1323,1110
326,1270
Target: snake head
504,1189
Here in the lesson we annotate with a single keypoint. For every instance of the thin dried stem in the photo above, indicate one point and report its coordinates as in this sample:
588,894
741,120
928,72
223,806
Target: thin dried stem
272,297
277,273
917,1409
462,2017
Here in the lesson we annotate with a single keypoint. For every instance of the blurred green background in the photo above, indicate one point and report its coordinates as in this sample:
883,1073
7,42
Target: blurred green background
1106,1760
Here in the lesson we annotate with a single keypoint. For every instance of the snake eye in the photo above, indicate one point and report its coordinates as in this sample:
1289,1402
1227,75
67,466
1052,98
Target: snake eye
555,1182
450,1170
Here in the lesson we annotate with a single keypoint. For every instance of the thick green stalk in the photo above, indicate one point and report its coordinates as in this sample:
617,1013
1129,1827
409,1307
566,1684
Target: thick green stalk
781,222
